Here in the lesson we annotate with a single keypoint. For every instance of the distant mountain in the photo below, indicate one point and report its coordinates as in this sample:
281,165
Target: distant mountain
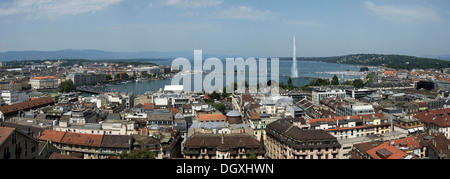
91,55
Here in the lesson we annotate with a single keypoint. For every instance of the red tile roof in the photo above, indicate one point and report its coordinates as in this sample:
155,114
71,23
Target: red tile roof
438,117
386,151
26,105
4,133
211,116
43,77
93,140
52,135
408,142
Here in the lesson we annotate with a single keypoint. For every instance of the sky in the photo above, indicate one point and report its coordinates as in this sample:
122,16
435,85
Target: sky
258,28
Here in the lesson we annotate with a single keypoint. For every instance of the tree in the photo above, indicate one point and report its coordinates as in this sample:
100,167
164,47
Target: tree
108,77
290,86
137,154
125,76
364,69
335,80
252,156
67,86
224,92
221,107
215,95
358,83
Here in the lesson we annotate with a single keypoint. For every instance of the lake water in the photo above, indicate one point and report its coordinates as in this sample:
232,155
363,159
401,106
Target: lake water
306,71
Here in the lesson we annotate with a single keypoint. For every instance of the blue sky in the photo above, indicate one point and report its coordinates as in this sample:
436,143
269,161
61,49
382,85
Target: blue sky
259,28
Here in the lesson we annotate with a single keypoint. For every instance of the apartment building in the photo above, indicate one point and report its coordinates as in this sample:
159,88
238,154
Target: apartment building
345,127
322,93
436,121
16,145
222,146
286,141
45,82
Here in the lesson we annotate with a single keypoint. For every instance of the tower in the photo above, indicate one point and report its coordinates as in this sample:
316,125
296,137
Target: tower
294,65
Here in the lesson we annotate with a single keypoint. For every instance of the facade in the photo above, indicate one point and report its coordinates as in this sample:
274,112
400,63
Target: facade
12,97
9,111
355,109
218,128
86,144
17,145
86,79
160,117
45,82
90,146
112,145
222,146
344,127
319,94
286,141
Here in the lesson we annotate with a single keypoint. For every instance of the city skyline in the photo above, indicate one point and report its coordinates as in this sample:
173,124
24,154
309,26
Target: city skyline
245,28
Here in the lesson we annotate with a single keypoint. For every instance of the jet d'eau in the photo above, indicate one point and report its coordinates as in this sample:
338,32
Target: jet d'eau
294,63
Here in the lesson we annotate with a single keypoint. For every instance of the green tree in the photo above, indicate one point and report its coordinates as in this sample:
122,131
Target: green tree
215,95
67,86
335,80
364,69
125,76
358,83
108,77
224,92
117,76
252,156
290,86
221,107
137,154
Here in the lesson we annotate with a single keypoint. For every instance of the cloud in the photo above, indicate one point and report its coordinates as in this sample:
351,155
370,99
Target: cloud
189,3
408,15
37,9
245,12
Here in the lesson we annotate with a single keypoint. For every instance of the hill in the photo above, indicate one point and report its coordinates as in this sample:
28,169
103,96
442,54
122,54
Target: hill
390,61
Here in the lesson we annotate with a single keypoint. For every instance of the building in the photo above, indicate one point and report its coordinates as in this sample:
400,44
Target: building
286,141
319,94
234,117
223,146
12,97
408,125
436,121
355,109
211,118
6,112
218,128
89,146
86,144
45,82
160,117
82,79
112,145
14,144
165,143
438,146
359,93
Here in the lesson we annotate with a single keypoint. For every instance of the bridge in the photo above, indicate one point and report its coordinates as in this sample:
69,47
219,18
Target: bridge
88,90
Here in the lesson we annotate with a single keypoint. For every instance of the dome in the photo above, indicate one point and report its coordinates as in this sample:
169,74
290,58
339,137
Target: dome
234,113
